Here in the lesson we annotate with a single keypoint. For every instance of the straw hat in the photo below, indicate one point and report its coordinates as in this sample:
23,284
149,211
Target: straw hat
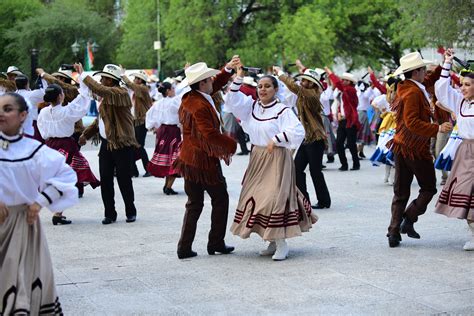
410,62
153,78
198,72
14,70
63,73
249,81
110,71
312,76
349,76
140,75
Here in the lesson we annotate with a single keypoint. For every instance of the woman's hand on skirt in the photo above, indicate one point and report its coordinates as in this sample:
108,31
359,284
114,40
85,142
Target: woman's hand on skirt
270,146
3,212
32,214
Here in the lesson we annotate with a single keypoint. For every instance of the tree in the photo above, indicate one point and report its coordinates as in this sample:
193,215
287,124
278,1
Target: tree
56,26
432,23
12,13
139,27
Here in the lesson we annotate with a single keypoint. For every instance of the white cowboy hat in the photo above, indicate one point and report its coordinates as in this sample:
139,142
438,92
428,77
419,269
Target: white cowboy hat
198,72
140,75
153,78
178,78
169,80
410,62
63,73
249,81
349,76
110,71
14,70
312,76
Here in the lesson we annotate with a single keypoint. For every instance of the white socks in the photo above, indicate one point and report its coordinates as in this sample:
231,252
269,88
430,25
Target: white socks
282,250
468,246
270,249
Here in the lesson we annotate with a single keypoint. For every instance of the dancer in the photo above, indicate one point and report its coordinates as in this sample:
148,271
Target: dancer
56,126
198,161
141,103
163,119
347,117
116,153
457,197
32,176
311,150
410,146
270,203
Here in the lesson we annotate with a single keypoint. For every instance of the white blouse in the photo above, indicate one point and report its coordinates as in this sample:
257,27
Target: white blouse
32,172
58,121
264,123
453,100
365,98
325,99
34,97
381,103
164,111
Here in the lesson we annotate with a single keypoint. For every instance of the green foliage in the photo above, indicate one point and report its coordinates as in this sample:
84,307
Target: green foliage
305,35
13,12
54,28
139,27
433,23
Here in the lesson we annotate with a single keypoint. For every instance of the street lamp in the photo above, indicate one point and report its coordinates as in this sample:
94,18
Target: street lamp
76,46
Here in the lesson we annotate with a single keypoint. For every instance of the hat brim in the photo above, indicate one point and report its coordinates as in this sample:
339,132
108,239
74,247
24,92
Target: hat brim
400,70
15,72
349,79
108,75
59,74
310,78
206,74
140,76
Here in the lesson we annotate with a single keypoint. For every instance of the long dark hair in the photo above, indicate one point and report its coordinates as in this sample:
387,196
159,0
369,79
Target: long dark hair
52,93
164,87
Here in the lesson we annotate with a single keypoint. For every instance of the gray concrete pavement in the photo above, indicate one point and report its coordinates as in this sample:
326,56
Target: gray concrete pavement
342,266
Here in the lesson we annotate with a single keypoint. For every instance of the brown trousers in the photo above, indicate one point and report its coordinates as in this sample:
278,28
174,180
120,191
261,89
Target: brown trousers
405,169
194,206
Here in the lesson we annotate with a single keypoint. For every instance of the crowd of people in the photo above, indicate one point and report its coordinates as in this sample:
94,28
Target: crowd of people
418,112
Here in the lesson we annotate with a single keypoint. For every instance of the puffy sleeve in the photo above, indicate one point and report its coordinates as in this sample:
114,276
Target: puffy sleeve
77,108
447,95
57,181
238,103
292,131
153,115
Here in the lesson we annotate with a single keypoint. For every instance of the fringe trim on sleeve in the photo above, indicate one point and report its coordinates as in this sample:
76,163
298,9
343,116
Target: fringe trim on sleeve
212,149
405,142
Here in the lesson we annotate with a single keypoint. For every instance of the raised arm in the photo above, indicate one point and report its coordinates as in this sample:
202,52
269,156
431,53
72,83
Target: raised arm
102,90
445,93
238,103
375,82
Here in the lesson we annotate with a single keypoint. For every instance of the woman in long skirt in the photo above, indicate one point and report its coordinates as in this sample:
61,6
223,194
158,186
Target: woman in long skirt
33,176
163,118
457,197
270,204
56,125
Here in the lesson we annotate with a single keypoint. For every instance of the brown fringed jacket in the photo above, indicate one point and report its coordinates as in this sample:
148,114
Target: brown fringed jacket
413,117
70,93
142,101
309,110
203,143
115,112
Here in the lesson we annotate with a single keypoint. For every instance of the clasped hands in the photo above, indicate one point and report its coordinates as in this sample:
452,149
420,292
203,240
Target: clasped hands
31,215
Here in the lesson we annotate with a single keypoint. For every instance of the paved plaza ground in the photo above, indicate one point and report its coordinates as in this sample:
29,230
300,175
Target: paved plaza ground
342,266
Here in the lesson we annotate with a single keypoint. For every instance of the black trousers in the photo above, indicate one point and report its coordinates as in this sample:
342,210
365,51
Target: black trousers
350,134
312,154
120,161
140,135
242,139
405,170
220,209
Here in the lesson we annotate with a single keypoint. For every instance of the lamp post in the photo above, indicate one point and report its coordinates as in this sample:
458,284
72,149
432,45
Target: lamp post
34,64
78,45
157,44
